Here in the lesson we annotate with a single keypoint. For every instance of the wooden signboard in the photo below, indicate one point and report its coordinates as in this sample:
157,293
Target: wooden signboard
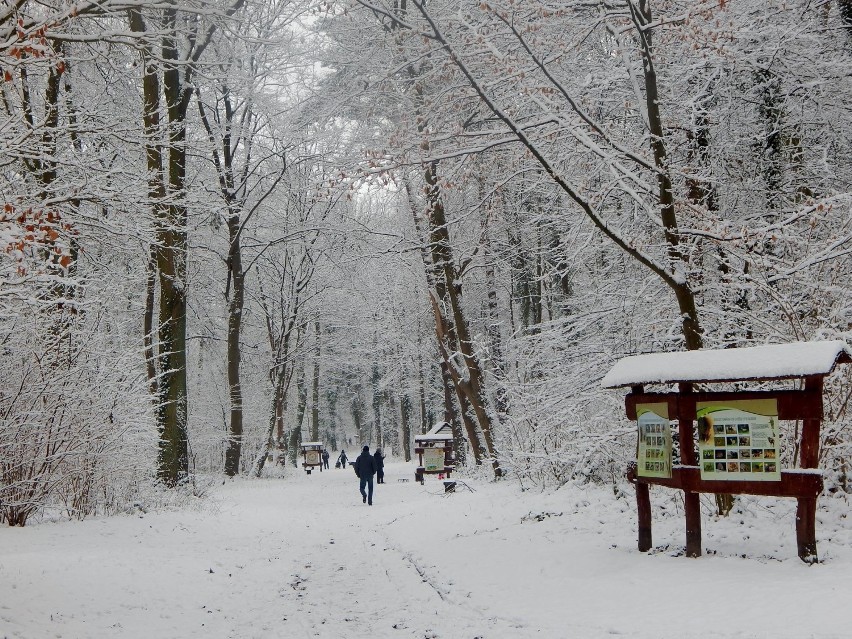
737,431
434,452
312,456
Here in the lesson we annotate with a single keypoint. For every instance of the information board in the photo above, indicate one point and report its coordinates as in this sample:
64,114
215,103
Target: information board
738,440
312,458
433,459
654,456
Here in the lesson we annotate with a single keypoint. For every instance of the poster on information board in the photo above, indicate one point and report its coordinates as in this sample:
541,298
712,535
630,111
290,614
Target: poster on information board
433,459
738,440
312,458
655,441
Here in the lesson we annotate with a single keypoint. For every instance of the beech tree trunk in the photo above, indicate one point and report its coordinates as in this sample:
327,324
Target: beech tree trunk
377,407
405,410
424,417
472,384
315,429
166,176
691,327
235,317
436,280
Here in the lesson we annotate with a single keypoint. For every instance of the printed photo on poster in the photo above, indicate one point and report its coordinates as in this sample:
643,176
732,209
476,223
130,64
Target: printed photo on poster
744,433
654,453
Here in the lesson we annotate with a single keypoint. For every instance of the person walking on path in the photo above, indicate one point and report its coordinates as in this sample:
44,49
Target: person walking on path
325,458
365,468
342,459
380,466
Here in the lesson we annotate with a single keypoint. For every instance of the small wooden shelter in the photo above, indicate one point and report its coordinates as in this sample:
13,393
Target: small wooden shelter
311,456
434,452
738,441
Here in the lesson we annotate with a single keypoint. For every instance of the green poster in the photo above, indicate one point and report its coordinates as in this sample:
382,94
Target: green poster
738,440
654,457
433,459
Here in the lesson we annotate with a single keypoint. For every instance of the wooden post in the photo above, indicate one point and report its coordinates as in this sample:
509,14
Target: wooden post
809,458
643,498
643,506
691,501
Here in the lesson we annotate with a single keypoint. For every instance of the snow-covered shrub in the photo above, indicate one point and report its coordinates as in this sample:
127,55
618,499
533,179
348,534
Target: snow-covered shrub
73,435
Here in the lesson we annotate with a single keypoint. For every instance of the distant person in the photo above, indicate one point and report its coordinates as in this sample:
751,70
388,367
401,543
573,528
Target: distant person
365,468
380,466
325,457
342,459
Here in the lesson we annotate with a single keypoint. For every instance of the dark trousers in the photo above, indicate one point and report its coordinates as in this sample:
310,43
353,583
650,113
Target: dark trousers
367,481
380,476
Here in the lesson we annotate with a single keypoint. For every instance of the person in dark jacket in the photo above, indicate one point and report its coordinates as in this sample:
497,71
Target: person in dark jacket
325,457
365,468
342,459
380,466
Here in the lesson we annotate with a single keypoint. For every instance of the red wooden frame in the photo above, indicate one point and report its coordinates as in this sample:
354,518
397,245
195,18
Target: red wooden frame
804,405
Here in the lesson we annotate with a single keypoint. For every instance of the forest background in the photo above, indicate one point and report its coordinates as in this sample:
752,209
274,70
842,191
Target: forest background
232,226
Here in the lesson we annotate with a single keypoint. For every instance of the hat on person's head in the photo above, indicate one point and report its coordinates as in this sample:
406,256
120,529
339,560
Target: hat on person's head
366,449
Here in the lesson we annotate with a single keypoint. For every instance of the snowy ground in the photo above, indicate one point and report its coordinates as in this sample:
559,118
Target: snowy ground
303,557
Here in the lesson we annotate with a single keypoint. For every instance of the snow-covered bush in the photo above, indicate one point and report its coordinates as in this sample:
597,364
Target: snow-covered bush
73,406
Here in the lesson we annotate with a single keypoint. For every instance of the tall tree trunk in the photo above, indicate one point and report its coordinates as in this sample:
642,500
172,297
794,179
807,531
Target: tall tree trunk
302,393
424,419
472,385
315,385
280,381
281,372
301,407
683,291
690,324
405,411
167,177
148,322
280,409
293,446
331,400
452,417
170,247
377,406
445,287
444,331
235,316
358,417
223,159
391,438
492,329
156,197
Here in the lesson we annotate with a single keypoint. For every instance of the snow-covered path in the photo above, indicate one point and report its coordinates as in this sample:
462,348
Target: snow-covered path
303,557
299,557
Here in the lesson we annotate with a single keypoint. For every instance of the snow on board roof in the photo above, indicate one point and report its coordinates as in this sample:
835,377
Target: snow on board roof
433,438
778,361
440,431
311,444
